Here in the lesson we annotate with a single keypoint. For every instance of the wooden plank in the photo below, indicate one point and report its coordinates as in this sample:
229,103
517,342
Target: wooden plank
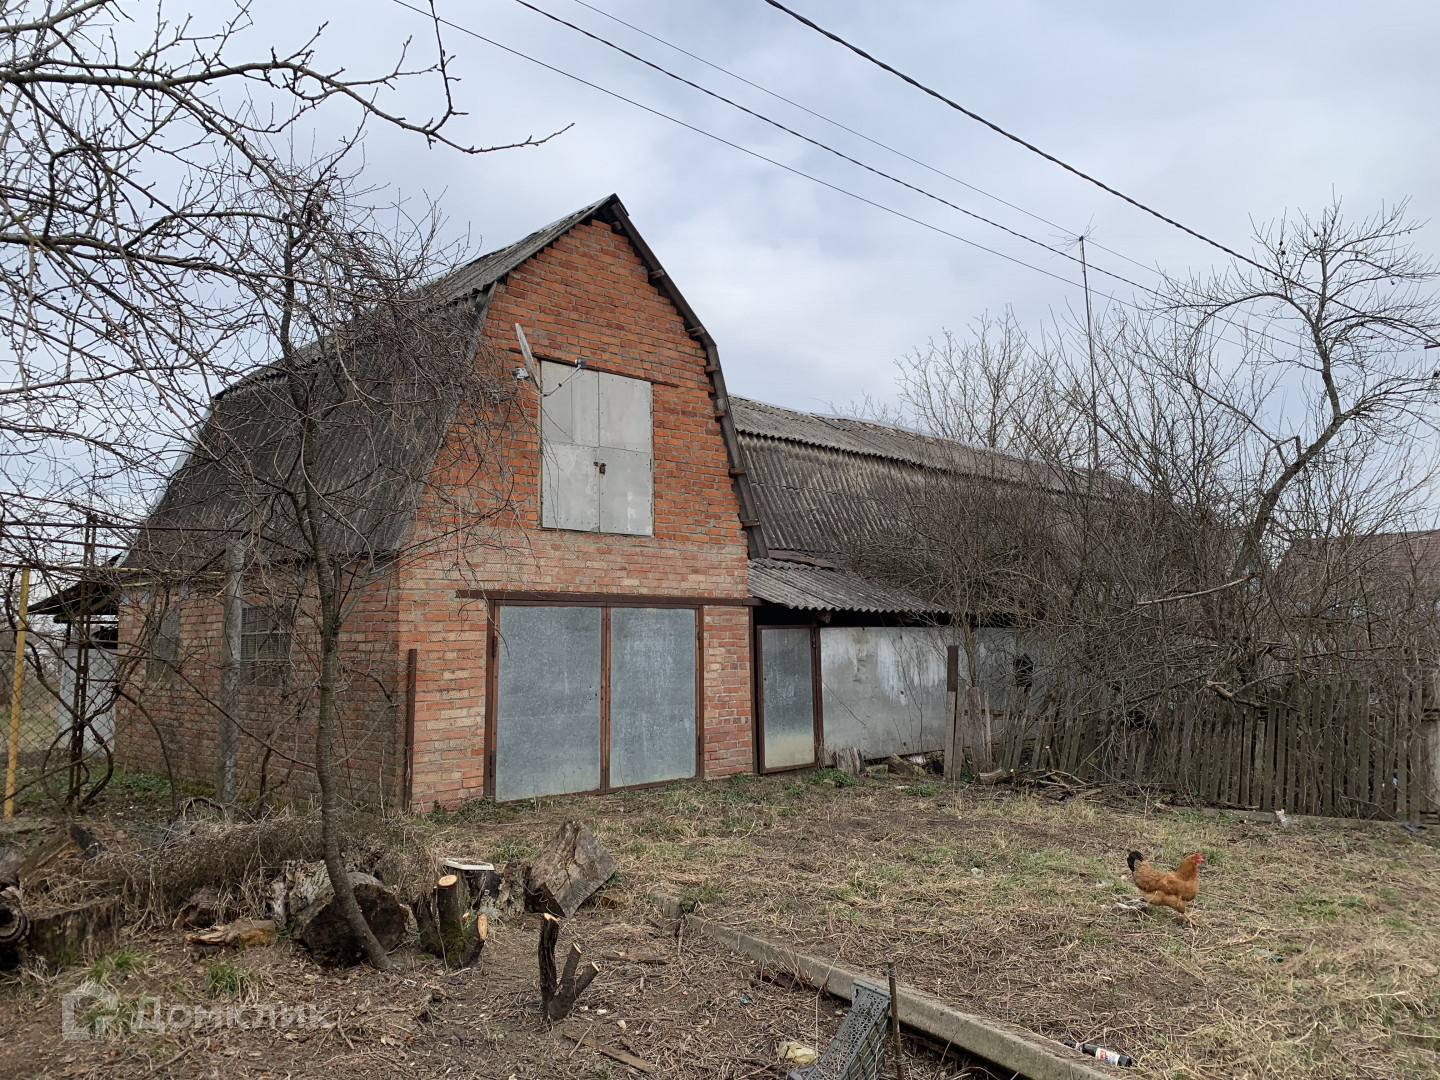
1329,710
1363,766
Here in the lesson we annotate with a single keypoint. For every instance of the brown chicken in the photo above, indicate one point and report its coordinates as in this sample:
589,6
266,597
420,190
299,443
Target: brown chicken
1172,889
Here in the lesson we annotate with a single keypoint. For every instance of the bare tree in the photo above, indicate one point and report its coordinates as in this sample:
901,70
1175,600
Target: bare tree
1241,419
128,143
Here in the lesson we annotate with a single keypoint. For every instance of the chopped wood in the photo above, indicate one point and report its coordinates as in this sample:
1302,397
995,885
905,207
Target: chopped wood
481,878
240,934
639,1064
511,899
46,859
898,766
558,995
323,928
448,928
849,761
571,869
10,861
997,776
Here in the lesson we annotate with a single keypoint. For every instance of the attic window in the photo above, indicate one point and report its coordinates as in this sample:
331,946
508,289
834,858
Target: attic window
596,463
264,647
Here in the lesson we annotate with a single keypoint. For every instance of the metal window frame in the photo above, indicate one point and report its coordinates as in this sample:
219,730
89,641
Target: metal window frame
758,695
492,652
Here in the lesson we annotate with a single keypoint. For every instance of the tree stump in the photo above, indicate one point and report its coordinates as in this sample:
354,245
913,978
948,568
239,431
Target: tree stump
324,930
558,995
569,871
849,761
64,935
448,928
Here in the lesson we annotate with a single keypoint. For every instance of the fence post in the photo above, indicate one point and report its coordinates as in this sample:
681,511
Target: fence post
952,693
17,687
227,750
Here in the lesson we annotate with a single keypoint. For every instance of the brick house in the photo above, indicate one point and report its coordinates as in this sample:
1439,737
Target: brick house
662,595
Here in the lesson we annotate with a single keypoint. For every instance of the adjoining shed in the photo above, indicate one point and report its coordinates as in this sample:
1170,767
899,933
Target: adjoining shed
844,658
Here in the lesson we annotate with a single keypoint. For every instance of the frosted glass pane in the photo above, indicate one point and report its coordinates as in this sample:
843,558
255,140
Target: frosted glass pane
652,695
547,701
789,698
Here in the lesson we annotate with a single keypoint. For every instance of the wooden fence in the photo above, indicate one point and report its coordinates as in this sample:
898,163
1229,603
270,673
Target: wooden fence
1327,749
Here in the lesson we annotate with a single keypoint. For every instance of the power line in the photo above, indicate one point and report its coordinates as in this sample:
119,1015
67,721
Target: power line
820,145
1063,164
854,161
746,150
861,135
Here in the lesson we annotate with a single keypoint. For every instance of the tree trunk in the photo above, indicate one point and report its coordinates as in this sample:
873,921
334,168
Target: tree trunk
324,775
558,995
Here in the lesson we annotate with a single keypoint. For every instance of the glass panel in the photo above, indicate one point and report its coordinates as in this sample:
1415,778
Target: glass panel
652,695
547,702
789,698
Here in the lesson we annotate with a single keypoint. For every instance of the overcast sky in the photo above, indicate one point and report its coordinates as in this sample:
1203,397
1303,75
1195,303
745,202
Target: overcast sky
1217,114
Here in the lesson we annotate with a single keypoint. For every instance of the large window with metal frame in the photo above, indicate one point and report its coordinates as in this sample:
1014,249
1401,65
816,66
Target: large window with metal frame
592,697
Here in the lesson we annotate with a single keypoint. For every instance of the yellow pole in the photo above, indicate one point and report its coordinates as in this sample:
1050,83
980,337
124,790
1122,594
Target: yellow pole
16,688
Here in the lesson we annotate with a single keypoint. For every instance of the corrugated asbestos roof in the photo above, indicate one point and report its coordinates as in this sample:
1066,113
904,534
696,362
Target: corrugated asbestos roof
817,588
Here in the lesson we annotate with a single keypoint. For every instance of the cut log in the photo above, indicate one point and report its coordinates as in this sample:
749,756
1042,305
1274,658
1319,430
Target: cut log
998,776
898,766
849,761
558,995
571,869
240,934
481,878
324,930
64,935
13,926
63,844
448,928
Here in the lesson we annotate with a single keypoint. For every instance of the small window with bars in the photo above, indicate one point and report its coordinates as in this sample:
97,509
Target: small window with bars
264,647
164,648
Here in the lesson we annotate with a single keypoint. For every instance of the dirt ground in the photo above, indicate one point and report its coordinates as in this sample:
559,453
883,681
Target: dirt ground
1314,952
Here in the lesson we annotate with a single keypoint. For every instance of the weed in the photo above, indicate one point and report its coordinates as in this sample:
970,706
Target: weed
703,893
225,979
120,963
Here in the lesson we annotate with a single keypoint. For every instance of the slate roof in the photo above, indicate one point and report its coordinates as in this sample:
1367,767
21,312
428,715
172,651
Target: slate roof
372,468
823,588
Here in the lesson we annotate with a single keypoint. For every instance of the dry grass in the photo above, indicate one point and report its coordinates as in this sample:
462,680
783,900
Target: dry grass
1314,952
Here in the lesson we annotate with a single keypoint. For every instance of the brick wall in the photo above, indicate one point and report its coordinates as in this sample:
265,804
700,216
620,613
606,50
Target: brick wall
588,295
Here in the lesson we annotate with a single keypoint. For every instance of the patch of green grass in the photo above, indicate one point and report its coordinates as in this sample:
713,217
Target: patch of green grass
1313,904
703,893
120,963
224,979
922,790
833,777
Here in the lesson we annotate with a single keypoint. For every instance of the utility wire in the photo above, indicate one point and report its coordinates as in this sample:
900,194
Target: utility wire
746,150
820,145
1080,261
861,135
1063,164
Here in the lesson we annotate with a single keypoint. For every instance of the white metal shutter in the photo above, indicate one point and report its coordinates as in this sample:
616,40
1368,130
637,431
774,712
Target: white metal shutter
596,459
